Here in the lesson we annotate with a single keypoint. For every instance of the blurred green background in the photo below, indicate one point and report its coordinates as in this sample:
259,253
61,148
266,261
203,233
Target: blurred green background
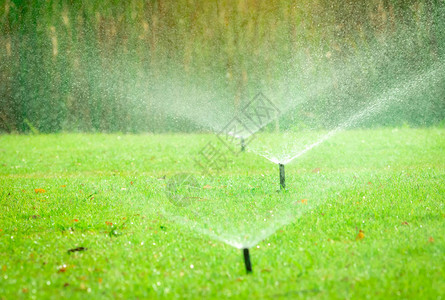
104,65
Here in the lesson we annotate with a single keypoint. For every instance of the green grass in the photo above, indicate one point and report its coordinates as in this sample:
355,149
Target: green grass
389,183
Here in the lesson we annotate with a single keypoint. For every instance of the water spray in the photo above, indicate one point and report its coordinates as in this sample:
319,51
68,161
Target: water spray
247,262
282,177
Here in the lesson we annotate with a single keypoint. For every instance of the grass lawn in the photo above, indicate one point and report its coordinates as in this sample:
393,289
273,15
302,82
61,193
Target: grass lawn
363,217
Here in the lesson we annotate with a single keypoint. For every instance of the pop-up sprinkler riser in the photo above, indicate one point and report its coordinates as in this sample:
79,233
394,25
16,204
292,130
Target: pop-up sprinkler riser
243,145
247,262
282,177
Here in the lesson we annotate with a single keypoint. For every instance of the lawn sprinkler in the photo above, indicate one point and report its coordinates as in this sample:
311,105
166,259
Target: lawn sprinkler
282,177
243,145
247,262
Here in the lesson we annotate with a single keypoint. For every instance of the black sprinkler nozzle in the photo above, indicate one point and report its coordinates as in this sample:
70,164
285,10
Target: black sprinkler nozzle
247,262
243,145
282,178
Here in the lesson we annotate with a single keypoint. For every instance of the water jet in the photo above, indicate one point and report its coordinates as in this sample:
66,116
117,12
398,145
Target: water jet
247,262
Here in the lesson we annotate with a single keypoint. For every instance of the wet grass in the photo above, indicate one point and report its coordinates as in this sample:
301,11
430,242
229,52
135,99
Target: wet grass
376,229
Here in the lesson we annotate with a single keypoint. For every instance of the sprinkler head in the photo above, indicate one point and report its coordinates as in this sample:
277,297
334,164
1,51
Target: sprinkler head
282,177
247,262
243,145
